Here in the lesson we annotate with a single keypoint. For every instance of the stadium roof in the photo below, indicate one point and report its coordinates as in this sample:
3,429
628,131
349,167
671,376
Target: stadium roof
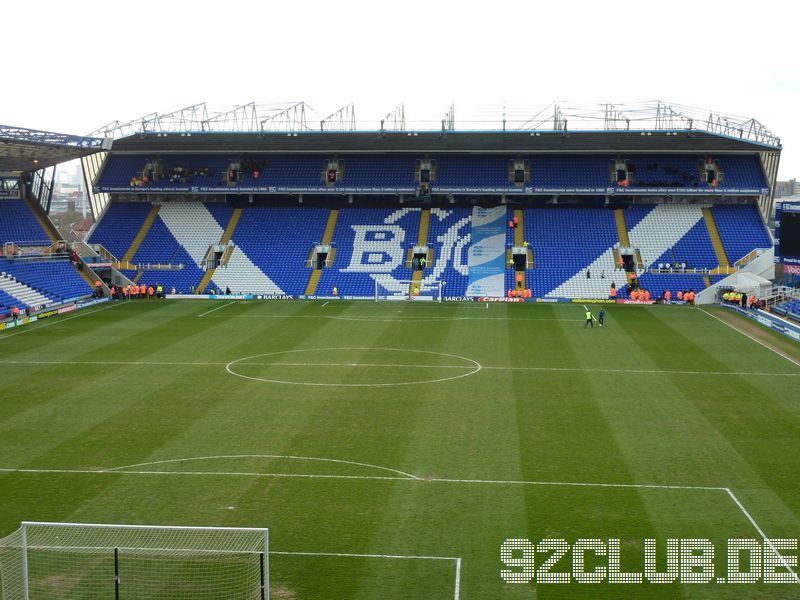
31,150
654,126
446,141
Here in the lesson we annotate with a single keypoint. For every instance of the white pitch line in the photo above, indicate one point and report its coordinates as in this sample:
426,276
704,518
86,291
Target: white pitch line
111,362
414,478
208,312
395,366
414,366
654,371
243,360
354,555
205,474
458,578
57,320
767,540
373,318
757,341
326,304
455,559
646,486
409,477
280,456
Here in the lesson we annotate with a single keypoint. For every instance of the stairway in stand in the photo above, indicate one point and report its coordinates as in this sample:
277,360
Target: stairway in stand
226,237
716,241
622,228
519,240
327,236
422,240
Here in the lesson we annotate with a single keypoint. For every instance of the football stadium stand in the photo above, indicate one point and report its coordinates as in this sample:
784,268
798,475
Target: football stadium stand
27,277
575,248
790,308
39,282
677,209
392,173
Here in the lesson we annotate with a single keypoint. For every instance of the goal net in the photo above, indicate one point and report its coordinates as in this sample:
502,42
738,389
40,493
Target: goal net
408,289
73,560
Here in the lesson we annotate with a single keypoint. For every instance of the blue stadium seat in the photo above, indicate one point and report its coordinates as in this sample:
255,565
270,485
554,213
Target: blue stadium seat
370,243
741,229
119,225
56,279
18,224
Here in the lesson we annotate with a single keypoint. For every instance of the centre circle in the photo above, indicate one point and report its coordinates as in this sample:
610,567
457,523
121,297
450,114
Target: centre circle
382,366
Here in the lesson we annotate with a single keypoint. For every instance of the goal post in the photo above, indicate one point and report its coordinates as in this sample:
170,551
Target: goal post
82,560
408,289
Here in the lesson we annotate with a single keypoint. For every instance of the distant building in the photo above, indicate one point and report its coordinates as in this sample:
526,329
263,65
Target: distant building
787,188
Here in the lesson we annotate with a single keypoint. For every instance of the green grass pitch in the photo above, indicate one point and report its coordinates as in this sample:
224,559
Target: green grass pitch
450,428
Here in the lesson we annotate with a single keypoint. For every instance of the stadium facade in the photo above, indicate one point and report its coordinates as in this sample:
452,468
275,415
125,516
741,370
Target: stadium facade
662,202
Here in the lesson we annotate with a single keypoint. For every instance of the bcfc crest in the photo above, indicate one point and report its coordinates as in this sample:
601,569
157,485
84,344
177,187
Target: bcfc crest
380,249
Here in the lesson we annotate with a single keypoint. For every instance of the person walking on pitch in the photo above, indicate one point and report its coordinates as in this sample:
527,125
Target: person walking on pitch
589,318
601,316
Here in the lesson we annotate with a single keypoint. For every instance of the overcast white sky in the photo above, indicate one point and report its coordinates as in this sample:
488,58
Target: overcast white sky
72,66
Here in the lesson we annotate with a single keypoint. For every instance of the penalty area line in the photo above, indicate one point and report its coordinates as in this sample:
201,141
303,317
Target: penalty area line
763,535
418,479
456,560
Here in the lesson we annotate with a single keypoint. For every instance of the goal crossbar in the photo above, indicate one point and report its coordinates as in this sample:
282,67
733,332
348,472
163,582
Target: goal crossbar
408,289
142,561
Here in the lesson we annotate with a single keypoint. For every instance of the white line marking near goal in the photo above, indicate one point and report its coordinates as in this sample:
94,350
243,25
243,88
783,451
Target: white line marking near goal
207,474
280,456
762,534
406,477
455,559
326,304
58,320
208,312
757,341
418,479
355,555
458,578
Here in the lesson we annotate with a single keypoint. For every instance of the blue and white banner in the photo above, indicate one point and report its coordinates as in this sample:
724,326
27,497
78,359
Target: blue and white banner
487,253
510,190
